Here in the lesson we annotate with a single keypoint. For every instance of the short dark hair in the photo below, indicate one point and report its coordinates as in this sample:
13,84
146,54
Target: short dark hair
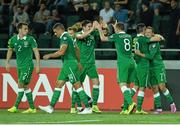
85,22
20,25
120,26
146,3
85,2
59,25
20,6
74,28
149,27
140,27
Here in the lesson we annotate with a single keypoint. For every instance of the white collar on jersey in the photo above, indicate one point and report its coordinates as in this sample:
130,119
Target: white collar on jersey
140,34
62,34
18,38
122,32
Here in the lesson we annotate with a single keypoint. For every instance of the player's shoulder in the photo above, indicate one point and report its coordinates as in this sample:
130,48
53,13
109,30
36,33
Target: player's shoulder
66,36
14,37
29,37
128,35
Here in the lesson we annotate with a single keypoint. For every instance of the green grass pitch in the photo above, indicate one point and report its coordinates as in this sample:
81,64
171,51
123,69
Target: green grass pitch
64,117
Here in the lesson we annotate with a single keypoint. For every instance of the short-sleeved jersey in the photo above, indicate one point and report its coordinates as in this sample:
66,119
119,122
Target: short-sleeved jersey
23,48
123,43
86,45
154,55
70,51
141,43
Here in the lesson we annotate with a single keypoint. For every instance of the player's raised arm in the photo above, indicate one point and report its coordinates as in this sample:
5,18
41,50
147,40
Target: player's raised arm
88,27
102,36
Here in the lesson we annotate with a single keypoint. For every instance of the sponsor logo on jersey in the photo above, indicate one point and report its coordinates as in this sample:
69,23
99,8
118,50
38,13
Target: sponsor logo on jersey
65,38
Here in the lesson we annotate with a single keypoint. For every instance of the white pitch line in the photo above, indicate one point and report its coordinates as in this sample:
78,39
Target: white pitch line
79,121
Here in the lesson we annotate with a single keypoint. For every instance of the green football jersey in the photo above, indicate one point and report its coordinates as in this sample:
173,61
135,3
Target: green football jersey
86,45
141,43
70,52
23,48
155,55
123,43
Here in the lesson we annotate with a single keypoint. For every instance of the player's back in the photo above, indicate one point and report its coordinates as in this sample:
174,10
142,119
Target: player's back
123,44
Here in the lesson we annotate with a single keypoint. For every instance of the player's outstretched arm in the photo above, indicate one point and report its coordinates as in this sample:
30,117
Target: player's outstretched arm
85,34
102,36
8,57
37,56
59,53
157,37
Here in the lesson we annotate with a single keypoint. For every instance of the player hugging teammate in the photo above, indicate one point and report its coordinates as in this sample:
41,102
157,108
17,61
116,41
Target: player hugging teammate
76,48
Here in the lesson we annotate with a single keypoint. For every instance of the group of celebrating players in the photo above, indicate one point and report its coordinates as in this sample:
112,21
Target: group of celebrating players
139,61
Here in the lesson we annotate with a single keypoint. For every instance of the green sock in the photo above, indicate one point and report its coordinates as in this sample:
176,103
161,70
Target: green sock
95,94
73,99
168,96
125,105
157,100
30,98
19,97
133,91
127,95
55,97
83,96
78,100
140,99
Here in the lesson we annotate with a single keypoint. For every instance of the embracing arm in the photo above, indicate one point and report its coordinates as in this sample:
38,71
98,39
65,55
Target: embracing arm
150,55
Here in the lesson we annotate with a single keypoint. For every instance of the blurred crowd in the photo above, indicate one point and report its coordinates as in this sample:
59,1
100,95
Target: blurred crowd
41,15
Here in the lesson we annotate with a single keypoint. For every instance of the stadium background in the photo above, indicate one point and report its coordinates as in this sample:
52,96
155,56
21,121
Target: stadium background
105,53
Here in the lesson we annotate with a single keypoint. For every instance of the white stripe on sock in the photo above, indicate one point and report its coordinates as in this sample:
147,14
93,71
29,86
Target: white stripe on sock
124,88
21,90
57,89
96,86
140,93
134,90
79,89
166,92
156,95
27,90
